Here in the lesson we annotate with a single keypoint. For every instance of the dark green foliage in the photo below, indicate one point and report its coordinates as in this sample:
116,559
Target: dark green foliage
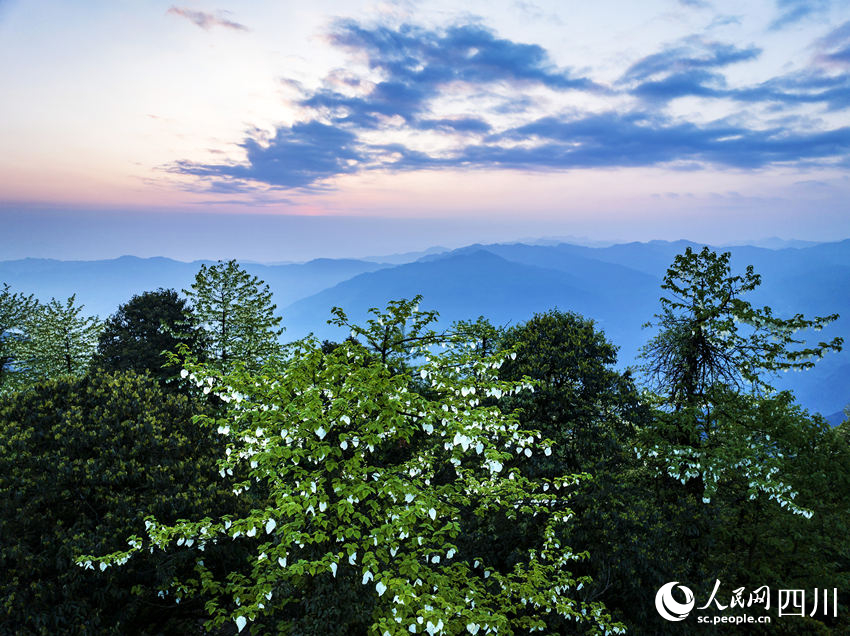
580,400
759,543
135,337
81,463
592,411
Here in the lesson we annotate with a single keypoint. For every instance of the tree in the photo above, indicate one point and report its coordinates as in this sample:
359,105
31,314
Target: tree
236,311
710,362
15,311
581,401
136,336
759,543
592,412
82,462
709,335
370,484
58,341
397,335
721,441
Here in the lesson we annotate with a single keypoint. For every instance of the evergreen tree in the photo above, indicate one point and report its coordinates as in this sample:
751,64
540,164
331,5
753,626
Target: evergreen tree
15,311
236,311
592,412
581,401
136,336
58,341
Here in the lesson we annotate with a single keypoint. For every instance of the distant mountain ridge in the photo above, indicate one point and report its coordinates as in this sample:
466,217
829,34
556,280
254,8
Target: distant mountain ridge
103,285
618,286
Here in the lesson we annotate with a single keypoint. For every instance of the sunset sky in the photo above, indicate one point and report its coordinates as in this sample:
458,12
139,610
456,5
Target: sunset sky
284,131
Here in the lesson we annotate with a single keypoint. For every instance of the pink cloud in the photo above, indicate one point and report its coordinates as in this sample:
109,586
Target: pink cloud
207,20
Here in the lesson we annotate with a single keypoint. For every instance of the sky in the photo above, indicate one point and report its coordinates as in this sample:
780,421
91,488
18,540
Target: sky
282,131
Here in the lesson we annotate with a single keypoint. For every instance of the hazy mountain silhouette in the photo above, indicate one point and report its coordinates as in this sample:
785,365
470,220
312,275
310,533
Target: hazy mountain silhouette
617,286
103,285
463,285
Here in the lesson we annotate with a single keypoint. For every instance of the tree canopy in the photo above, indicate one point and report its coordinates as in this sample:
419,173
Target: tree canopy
136,336
710,335
581,400
710,361
236,312
82,462
370,481
469,479
58,340
15,311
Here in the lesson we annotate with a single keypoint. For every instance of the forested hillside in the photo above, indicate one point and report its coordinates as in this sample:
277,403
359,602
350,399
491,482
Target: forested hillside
178,466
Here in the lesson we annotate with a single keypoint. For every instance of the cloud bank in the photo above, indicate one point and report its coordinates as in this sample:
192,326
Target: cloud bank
464,98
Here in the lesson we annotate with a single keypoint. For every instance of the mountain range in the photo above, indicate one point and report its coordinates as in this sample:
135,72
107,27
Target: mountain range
618,286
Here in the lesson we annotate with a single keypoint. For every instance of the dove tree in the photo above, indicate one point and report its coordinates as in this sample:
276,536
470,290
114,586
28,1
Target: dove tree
711,364
369,472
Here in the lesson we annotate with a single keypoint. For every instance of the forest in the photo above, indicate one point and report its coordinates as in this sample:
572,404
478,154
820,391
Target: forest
182,468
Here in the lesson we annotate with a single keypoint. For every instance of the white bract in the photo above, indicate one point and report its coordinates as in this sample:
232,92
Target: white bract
328,510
